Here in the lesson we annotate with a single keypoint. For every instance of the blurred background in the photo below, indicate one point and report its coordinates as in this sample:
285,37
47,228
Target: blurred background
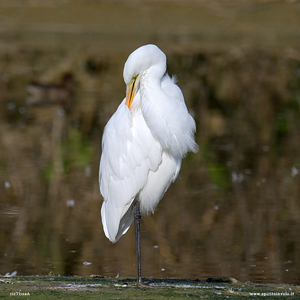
235,208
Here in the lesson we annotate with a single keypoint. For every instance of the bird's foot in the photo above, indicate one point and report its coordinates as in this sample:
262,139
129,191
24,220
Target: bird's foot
141,284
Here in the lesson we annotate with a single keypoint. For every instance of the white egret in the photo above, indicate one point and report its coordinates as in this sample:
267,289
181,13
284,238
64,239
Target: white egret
143,144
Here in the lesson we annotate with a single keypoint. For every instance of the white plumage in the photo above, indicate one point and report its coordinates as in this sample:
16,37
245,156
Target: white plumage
143,142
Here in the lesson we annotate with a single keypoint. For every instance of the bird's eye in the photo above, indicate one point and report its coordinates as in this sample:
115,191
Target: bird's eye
135,82
134,77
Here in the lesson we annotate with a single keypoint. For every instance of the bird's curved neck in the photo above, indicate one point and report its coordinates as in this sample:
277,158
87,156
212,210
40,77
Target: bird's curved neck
150,80
155,73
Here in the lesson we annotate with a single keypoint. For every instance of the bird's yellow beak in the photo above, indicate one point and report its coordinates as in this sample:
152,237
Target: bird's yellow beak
131,90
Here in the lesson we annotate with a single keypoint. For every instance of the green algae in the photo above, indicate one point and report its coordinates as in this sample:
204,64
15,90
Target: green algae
75,287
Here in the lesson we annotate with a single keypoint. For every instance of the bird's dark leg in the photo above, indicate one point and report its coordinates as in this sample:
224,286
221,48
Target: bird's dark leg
137,220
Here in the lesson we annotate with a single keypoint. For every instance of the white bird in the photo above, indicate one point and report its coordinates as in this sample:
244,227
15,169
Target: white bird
143,144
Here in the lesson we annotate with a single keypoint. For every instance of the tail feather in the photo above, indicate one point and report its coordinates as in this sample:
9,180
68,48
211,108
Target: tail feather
114,224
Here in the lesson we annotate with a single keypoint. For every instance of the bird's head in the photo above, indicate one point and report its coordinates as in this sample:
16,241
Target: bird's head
142,59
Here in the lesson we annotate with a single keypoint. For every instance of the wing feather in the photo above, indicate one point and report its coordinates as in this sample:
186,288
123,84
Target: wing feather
129,152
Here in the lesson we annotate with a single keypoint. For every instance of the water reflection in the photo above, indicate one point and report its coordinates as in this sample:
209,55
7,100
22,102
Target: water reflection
234,211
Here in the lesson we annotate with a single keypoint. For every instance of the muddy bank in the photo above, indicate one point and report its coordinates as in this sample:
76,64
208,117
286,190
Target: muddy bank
125,288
